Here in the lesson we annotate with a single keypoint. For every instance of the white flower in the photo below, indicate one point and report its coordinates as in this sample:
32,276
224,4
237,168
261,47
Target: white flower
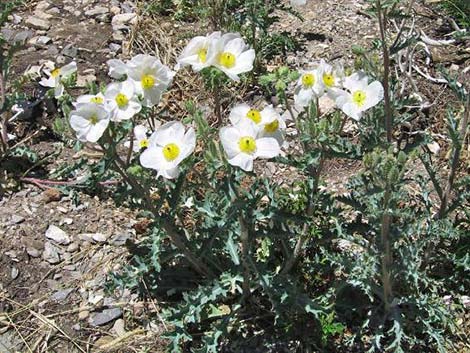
359,96
268,121
169,145
56,76
309,86
121,100
89,121
243,146
90,98
232,56
141,139
150,77
198,51
117,68
332,77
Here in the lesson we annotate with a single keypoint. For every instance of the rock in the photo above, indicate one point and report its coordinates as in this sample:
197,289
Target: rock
43,6
83,315
107,315
40,42
51,254
70,51
119,327
120,239
99,10
51,195
42,15
61,295
122,20
100,237
14,273
38,23
58,235
73,247
33,252
16,219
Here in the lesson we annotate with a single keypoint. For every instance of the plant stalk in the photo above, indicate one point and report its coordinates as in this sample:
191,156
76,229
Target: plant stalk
455,162
387,255
245,240
386,79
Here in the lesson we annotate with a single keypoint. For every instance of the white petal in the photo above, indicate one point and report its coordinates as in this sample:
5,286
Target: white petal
229,137
96,131
242,160
244,62
235,46
68,69
351,110
152,158
374,94
267,147
170,132
303,97
238,113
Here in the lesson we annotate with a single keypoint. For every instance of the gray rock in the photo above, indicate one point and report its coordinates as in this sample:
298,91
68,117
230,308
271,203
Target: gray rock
100,237
58,235
38,23
99,10
61,294
51,254
123,19
33,252
70,51
15,219
107,315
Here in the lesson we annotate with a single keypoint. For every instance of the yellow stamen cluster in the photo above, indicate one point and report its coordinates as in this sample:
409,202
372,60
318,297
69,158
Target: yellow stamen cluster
202,55
227,60
122,100
254,115
359,97
94,119
272,126
308,80
328,80
247,144
97,100
148,81
144,143
171,151
55,73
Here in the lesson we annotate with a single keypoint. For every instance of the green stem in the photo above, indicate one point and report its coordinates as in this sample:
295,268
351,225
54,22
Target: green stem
386,79
455,162
387,253
245,240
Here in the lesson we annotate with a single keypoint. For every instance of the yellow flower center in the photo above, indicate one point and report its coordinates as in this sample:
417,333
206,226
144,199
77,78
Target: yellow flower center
94,119
202,55
122,100
227,59
148,81
247,144
308,80
97,100
359,97
55,73
272,127
328,80
144,143
254,115
171,152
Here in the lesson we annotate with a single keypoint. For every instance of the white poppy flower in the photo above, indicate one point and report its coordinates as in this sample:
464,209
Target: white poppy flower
117,68
90,98
243,146
332,77
232,56
309,86
141,139
198,51
121,100
360,96
150,78
56,76
89,121
268,121
169,146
